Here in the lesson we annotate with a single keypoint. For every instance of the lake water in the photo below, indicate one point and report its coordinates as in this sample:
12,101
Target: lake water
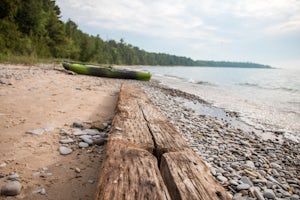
267,99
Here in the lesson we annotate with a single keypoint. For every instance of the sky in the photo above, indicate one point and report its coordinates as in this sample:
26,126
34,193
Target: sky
260,31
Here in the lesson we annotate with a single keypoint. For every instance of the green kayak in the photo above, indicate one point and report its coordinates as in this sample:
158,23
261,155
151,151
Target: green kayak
107,71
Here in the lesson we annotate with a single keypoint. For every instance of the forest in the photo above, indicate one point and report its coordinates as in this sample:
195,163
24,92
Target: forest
34,29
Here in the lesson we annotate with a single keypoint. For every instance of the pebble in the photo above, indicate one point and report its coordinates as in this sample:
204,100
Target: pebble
91,132
41,191
66,141
78,132
250,164
77,170
77,125
243,186
91,181
13,176
223,179
99,141
257,193
65,150
11,188
275,165
268,193
246,180
47,129
83,144
87,140
2,165
63,132
36,132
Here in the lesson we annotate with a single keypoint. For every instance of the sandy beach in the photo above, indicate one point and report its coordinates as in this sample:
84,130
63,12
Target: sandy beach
47,99
35,98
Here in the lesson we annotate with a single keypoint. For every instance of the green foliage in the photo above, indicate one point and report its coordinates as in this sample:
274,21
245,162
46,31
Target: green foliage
33,29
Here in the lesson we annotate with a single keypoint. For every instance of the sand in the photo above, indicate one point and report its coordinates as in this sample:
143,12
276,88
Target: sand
41,97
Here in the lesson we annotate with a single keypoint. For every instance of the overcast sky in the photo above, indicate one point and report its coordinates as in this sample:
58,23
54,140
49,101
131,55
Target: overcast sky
262,31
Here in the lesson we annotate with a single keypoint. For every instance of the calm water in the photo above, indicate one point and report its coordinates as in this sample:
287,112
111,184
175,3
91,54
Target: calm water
265,98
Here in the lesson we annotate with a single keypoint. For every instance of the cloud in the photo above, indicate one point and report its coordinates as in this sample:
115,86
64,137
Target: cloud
199,28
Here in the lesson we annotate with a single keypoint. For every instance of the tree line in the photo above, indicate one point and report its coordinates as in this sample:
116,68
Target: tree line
33,28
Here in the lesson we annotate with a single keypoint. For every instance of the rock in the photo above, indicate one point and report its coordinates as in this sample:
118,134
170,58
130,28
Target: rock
47,129
91,181
2,165
99,141
66,141
233,182
87,139
65,150
246,180
78,132
268,193
243,186
257,193
99,126
91,132
63,132
11,188
223,179
275,165
83,144
294,197
36,132
41,191
250,164
13,176
77,170
77,125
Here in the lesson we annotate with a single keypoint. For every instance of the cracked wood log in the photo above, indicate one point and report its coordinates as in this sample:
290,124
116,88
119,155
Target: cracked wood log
129,169
134,131
187,177
130,173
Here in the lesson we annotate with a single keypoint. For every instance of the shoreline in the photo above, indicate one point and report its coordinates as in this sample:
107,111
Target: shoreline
243,163
235,155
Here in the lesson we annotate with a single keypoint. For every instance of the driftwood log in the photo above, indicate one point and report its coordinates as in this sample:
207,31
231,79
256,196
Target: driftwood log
147,158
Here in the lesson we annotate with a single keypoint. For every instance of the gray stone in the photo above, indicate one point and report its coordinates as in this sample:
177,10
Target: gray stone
223,179
41,191
13,176
11,188
65,150
63,132
257,193
246,180
275,165
36,132
268,193
87,140
66,141
91,132
47,129
243,186
83,145
99,141
77,125
294,197
78,132
233,182
250,164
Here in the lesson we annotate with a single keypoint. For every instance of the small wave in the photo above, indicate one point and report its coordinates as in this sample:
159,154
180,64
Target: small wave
204,83
269,88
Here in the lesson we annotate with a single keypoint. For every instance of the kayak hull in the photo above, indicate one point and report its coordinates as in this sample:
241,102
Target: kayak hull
107,72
